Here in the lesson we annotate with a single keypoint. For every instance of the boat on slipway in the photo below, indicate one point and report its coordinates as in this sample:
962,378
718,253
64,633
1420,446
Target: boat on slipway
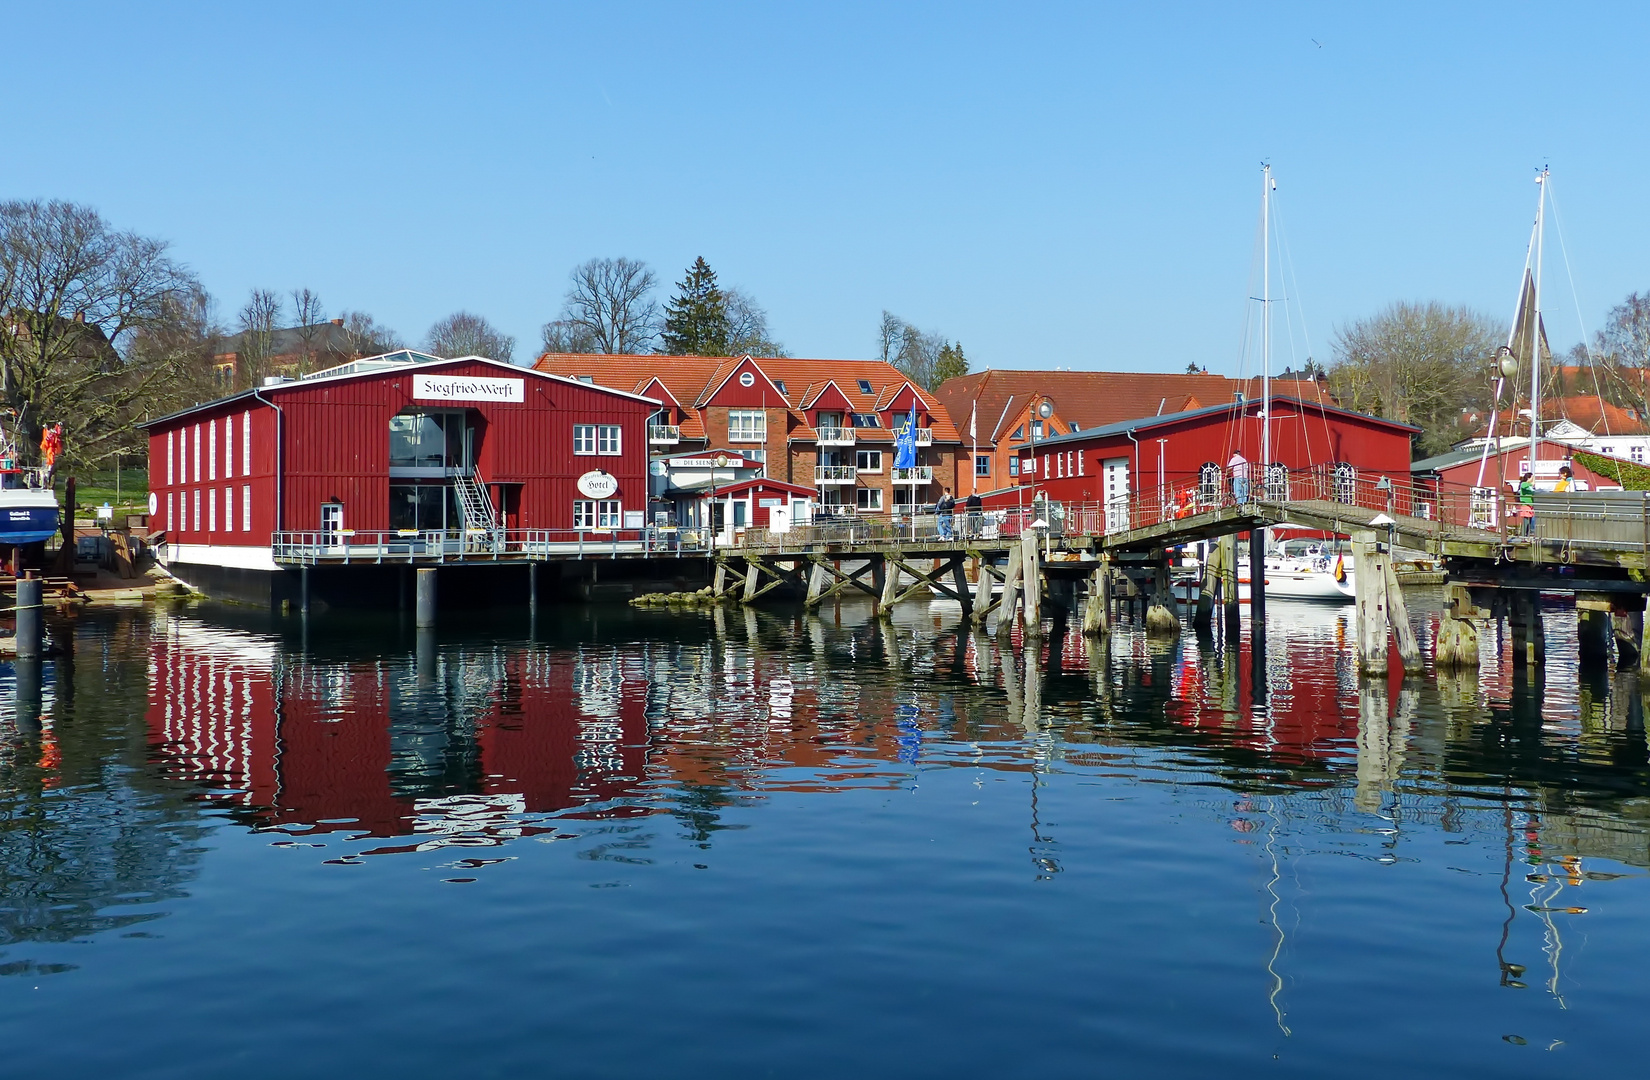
28,503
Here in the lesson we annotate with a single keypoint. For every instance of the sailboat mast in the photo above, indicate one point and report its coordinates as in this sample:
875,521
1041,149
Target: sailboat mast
1535,326
1265,321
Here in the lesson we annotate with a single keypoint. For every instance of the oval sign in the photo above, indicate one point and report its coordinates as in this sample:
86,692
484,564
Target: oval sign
154,503
598,485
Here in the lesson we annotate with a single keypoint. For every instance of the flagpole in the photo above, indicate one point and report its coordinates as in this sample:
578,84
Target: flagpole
974,454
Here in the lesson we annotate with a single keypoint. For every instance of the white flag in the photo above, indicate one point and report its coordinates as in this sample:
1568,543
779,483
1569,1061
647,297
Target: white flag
973,416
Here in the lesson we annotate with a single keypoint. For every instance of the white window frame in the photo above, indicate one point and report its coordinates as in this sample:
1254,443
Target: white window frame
868,498
610,514
197,453
211,509
584,440
197,527
609,439
212,450
228,509
171,511
246,507
246,443
228,447
868,455
171,454
753,425
584,513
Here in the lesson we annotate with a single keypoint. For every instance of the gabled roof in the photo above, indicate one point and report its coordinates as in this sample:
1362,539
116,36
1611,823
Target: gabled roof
814,394
695,378
310,383
1096,398
761,482
1142,423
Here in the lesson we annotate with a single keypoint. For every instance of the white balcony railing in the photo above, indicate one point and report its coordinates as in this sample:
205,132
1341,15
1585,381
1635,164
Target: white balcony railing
836,436
925,436
921,474
664,434
835,474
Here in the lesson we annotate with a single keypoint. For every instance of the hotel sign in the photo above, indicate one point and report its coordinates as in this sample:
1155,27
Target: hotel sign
598,485
468,388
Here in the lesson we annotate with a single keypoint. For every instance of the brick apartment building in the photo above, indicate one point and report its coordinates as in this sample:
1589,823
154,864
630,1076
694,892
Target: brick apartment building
828,425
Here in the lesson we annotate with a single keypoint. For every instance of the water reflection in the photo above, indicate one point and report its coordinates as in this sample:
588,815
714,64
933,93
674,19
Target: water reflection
1126,773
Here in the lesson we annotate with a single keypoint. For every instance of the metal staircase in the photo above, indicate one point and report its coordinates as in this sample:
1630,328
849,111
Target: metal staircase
478,509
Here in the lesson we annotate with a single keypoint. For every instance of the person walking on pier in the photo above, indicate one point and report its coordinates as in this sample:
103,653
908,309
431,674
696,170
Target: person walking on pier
943,511
972,521
1239,466
1526,502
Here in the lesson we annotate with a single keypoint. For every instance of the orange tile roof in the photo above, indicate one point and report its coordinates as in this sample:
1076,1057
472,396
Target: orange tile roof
690,379
1096,398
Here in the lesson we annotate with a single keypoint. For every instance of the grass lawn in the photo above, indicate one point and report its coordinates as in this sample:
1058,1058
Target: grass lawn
93,489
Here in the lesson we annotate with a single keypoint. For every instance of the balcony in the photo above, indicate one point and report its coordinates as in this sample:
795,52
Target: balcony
834,474
925,436
921,474
836,436
663,434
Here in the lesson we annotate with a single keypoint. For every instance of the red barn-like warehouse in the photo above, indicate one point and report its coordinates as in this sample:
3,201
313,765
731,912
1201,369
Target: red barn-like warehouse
389,445
1178,450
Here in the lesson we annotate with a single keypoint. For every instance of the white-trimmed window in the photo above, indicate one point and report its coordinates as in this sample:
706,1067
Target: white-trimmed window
597,514
868,498
867,419
246,443
584,438
246,507
1014,465
197,509
212,450
608,439
228,509
1637,453
747,425
211,509
228,447
197,453
171,511
170,461
868,460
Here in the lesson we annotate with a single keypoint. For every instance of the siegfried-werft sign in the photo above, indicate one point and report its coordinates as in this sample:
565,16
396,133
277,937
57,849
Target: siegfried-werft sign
468,388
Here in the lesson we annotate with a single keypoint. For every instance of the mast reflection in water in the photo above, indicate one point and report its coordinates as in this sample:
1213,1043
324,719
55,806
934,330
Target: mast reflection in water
776,828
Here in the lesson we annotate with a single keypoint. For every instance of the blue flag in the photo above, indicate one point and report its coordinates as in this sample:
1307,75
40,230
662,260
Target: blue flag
905,447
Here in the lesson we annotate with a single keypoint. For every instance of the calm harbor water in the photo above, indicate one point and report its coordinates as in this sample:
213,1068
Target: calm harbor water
625,843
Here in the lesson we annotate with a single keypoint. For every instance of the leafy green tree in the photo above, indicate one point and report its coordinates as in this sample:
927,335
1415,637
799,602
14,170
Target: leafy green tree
950,364
696,319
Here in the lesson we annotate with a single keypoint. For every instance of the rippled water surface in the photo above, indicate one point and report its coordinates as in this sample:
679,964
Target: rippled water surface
627,843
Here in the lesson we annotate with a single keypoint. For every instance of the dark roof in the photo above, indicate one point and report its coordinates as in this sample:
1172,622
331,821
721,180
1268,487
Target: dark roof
322,337
1187,414
1439,462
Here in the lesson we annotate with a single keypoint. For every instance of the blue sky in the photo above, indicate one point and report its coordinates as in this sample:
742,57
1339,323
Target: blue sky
1052,186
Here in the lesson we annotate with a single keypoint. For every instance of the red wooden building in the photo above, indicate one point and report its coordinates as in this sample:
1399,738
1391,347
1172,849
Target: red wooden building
1171,453
393,445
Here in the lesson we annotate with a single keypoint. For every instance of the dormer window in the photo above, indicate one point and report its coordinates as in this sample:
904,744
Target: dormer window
781,384
867,419
865,386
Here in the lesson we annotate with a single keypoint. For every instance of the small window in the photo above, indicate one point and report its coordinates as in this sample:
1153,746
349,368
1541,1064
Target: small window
865,386
584,438
898,420
171,521
982,465
212,450
607,439
780,383
868,498
228,447
747,425
1074,427
197,510
1036,429
591,379
169,472
1019,432
1638,454
1014,466
867,419
228,509
246,508
246,445
868,460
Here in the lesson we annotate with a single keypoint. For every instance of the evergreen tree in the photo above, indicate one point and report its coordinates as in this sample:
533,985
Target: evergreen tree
696,319
948,365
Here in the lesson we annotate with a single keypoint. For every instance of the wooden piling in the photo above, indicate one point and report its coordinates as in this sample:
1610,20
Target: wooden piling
1593,632
890,589
1011,594
1369,591
1397,616
1628,627
1203,615
1456,646
1031,570
1229,596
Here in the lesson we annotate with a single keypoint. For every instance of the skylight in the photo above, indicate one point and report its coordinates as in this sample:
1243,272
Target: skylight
865,386
781,384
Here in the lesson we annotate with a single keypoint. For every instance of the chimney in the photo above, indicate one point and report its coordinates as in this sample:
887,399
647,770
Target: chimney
80,317
338,322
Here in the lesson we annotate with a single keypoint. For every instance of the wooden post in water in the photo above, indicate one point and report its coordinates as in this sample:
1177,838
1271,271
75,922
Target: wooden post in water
890,588
1628,627
753,574
1011,594
1097,611
1229,596
1031,569
1593,631
1397,615
1457,643
719,583
1369,591
818,581
425,606
982,593
959,581
1204,614
1161,620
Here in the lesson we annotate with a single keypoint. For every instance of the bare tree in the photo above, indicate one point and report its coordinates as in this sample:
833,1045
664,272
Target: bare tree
75,294
259,320
748,331
1622,355
366,337
310,320
1417,363
609,308
913,351
465,334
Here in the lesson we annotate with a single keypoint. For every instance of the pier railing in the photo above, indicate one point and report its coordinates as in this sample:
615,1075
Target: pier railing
315,547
